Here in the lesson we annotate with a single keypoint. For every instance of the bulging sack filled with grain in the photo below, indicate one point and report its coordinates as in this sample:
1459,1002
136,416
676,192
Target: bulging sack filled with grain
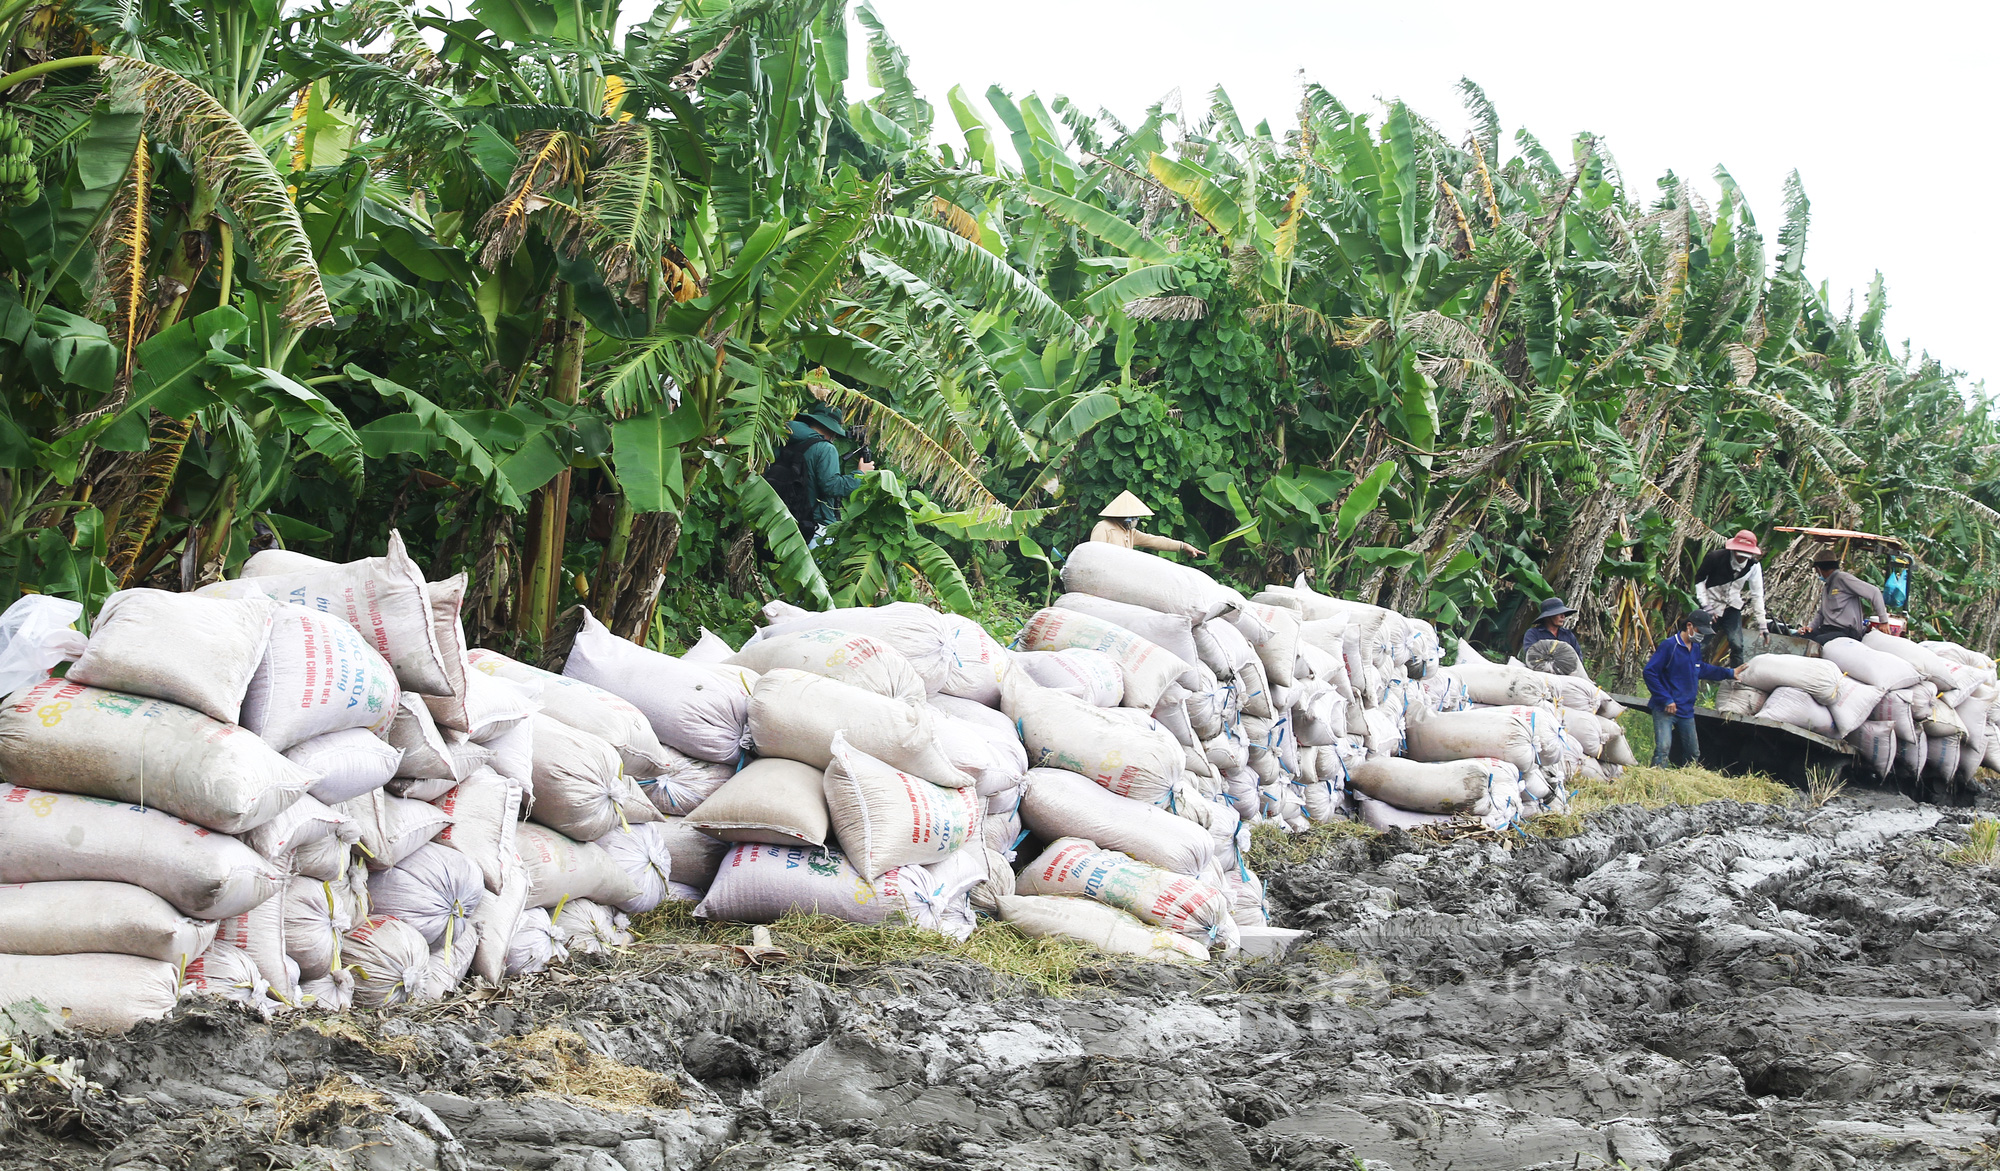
1142,579
348,764
920,633
1091,676
978,661
1059,804
260,934
560,868
642,853
1103,927
50,837
536,944
450,960
686,782
306,822
854,659
580,791
1497,685
435,890
1185,906
585,707
391,827
885,817
498,919
1873,667
317,676
700,709
1279,652
1380,815
996,762
795,715
228,973
592,928
426,756
1222,648
390,959
1852,705
1941,757
485,812
61,735
488,707
70,918
1063,732
1173,633
385,598
316,915
772,800
1818,678
1460,786
1146,666
1741,699
1927,662
1797,707
759,883
696,855
1875,741
199,653
99,992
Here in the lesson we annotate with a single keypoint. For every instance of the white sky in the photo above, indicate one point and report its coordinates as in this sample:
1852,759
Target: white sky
1877,106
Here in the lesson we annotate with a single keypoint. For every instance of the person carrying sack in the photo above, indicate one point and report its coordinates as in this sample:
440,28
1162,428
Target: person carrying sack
1552,623
1672,675
1729,583
1120,527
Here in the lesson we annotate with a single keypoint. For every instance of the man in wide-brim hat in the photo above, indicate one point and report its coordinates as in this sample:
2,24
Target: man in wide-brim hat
1120,526
1552,622
1729,584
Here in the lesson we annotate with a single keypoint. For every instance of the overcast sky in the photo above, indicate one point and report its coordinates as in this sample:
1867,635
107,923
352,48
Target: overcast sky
1879,107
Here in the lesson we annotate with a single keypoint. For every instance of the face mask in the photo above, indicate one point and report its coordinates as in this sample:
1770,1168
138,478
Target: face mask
1739,561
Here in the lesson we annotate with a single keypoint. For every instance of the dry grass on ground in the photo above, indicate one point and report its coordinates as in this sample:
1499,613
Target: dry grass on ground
560,1062
1051,966
1271,848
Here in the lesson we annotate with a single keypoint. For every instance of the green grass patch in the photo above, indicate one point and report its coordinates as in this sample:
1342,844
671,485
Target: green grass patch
1982,842
1654,788
823,942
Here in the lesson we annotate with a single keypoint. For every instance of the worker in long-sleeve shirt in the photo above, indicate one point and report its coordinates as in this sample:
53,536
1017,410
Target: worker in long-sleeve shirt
1729,585
1120,526
1841,614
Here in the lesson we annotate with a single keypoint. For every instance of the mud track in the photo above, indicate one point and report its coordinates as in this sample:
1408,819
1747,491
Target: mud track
1719,987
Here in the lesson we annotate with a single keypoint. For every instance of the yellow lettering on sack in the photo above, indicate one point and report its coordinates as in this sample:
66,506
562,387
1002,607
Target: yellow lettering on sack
864,893
43,805
52,714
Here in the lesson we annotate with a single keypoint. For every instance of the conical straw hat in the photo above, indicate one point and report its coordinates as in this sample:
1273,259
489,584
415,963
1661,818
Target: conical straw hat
1126,505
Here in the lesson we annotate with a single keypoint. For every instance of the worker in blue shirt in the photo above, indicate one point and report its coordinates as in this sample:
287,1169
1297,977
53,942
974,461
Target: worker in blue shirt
1672,675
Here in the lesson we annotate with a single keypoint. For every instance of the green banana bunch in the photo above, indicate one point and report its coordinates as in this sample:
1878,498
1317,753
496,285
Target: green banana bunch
19,183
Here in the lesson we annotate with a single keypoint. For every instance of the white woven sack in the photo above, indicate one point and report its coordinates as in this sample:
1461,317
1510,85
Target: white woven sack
1174,633
50,837
1063,732
1091,676
305,823
1873,667
1185,906
1585,727
978,661
229,973
773,800
583,706
97,992
489,707
1501,686
325,860
560,868
392,827
67,918
1172,714
1459,786
348,764
591,928
686,782
854,659
1896,708
1942,757
1505,733
885,817
435,890
1818,678
1380,815
426,756
1059,804
1927,662
498,919
759,883
450,961
1944,722
696,855
260,934
579,790
453,708
1737,698
317,676
317,914
795,715
1279,652
993,758
1797,707
642,853
701,710
1142,579
385,598
199,653
1147,667
1952,652
536,944
709,648
918,632
485,812
1875,741
63,736
1855,703
390,960
1106,928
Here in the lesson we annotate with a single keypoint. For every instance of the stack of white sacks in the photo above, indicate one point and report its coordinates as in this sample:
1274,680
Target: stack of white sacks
300,788
1916,709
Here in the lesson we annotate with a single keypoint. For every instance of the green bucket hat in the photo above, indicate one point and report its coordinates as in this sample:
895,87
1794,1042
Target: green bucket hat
825,418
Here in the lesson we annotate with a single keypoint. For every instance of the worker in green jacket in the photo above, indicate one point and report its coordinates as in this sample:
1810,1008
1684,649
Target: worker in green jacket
806,471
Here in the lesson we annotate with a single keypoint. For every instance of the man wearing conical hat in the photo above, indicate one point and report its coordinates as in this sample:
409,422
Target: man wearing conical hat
1120,526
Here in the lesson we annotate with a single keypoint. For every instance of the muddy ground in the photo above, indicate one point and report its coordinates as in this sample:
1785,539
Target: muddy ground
1725,986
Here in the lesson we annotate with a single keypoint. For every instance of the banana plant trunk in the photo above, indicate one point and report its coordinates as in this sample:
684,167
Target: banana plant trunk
550,519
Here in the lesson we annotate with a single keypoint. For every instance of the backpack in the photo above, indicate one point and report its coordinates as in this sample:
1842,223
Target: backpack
789,477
